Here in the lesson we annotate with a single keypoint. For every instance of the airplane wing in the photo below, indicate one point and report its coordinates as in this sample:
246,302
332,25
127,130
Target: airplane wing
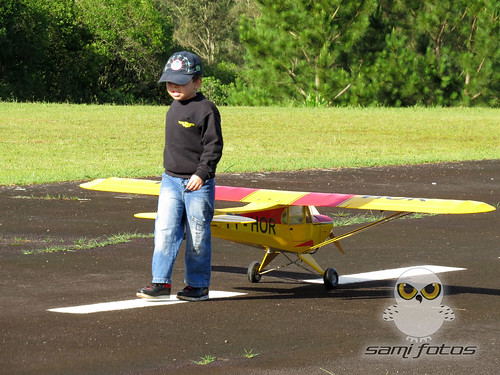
124,185
363,202
279,197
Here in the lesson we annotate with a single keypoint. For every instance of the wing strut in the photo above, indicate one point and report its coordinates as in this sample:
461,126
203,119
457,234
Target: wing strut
387,219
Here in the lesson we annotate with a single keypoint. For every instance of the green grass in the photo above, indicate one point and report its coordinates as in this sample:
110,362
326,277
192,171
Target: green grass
343,219
87,244
206,360
48,197
42,143
249,354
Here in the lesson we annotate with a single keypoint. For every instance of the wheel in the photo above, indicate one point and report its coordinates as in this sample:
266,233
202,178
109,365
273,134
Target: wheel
253,272
331,278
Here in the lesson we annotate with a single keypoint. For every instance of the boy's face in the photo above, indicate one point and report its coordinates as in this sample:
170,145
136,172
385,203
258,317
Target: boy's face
183,92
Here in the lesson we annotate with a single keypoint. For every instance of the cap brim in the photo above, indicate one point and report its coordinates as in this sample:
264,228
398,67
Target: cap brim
178,79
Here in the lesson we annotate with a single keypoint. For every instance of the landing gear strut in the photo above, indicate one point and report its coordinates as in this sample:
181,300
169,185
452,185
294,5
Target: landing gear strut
330,276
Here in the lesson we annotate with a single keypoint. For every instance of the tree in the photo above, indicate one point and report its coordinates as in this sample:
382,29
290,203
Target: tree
132,41
459,41
81,51
312,52
39,49
20,54
208,29
480,58
300,49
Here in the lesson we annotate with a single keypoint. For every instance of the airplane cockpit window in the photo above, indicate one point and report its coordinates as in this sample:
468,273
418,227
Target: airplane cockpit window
296,215
308,216
284,216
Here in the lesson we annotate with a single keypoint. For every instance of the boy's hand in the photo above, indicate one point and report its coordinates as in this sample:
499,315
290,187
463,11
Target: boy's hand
194,183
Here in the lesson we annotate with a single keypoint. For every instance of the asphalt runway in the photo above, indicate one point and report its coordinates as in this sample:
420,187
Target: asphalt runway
292,326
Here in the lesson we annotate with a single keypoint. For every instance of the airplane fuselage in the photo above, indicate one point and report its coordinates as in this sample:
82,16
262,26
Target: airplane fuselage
288,229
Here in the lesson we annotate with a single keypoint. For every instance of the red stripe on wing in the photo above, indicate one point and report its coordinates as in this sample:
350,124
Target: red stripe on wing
231,193
322,199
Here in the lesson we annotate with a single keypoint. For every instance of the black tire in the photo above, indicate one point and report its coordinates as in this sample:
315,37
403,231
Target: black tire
331,278
253,272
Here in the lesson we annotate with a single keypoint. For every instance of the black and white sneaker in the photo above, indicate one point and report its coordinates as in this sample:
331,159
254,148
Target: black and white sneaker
193,294
155,291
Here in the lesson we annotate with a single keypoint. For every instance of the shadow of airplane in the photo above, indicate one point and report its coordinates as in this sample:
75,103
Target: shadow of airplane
376,289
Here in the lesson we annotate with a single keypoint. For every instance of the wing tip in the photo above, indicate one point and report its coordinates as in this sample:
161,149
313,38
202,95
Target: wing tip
474,207
91,184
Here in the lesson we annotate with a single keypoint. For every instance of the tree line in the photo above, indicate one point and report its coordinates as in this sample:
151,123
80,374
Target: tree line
255,52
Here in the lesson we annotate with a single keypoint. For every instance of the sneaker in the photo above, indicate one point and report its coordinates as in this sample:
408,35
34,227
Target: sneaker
193,294
154,290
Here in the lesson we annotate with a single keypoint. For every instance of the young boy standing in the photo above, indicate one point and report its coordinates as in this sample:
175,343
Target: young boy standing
193,147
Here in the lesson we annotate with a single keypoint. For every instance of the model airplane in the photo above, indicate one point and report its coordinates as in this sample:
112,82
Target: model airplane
287,222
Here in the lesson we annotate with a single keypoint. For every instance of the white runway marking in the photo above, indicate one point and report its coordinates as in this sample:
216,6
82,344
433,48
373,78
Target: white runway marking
384,274
345,279
134,304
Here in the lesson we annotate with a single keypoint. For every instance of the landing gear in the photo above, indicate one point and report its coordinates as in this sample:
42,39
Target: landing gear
331,278
253,272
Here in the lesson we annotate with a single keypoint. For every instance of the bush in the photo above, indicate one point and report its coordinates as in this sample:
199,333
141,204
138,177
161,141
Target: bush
215,91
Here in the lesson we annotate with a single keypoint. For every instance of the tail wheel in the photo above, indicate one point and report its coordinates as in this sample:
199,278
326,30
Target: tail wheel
331,278
253,272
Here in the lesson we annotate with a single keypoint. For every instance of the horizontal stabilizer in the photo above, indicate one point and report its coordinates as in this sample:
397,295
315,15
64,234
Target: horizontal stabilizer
146,215
234,219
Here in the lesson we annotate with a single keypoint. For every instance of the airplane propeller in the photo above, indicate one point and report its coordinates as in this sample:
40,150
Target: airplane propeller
336,243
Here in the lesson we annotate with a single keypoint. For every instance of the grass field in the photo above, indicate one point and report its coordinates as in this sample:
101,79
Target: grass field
42,143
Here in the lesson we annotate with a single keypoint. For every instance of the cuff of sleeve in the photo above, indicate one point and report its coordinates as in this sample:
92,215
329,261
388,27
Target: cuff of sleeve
202,174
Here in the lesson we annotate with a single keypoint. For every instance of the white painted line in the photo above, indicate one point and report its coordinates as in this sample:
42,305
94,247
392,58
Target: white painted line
345,279
384,274
135,303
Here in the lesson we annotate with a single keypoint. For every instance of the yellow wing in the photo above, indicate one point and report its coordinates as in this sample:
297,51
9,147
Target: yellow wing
420,205
268,198
124,185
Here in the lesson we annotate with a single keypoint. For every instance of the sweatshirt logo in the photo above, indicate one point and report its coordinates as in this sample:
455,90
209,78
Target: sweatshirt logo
186,124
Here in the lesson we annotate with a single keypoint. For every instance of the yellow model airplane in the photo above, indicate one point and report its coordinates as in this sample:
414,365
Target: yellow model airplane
284,222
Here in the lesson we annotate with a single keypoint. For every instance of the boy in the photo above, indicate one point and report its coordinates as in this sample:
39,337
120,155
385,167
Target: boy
193,147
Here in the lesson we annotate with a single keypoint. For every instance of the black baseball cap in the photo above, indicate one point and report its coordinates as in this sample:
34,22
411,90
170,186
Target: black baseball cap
181,67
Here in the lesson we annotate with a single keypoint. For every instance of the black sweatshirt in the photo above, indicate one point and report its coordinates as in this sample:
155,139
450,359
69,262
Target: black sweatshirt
193,138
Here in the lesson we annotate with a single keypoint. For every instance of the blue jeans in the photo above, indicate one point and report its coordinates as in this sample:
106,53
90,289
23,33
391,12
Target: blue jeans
182,210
